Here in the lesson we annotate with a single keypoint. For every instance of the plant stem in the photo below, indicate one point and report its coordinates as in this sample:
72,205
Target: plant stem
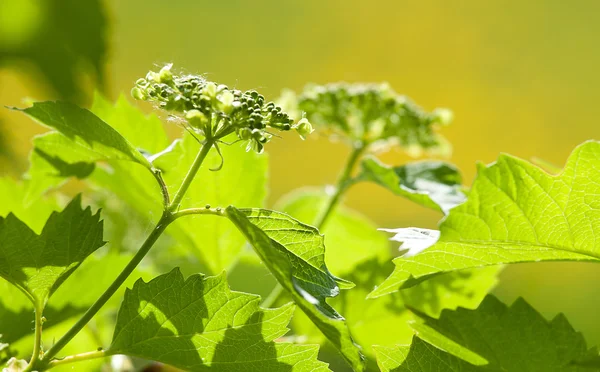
189,177
163,187
78,358
162,224
166,219
341,186
37,342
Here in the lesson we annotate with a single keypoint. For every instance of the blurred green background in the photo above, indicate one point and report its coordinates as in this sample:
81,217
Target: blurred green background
521,77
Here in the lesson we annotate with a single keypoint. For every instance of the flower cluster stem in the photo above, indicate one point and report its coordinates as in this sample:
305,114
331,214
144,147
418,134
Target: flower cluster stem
168,216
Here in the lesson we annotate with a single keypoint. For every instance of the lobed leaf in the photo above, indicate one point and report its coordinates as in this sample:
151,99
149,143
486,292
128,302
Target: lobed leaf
357,249
515,213
199,324
433,184
492,337
294,252
38,264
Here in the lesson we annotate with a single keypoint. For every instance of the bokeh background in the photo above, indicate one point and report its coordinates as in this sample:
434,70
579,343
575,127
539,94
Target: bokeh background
522,77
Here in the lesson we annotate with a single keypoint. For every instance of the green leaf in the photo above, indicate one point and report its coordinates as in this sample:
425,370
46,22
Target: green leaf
86,133
350,237
38,264
199,324
294,252
356,249
433,184
515,213
501,338
241,182
145,132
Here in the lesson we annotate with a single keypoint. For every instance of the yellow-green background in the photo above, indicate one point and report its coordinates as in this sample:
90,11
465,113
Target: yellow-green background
521,77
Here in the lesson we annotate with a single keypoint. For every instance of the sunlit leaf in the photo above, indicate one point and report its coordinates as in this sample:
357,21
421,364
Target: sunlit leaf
199,324
294,252
515,213
86,134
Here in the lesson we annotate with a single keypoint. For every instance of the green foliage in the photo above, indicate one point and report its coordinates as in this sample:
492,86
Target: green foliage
433,184
215,241
82,132
515,213
199,324
493,337
295,254
39,264
197,204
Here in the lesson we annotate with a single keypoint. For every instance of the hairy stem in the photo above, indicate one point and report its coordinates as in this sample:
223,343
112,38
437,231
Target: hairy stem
166,219
78,358
341,186
37,341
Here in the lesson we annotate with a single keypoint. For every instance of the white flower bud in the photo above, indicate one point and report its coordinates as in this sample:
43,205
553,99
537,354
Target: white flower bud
226,101
196,118
304,128
443,116
210,90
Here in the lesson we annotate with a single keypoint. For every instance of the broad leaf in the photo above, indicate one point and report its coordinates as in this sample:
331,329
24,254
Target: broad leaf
38,264
144,132
494,336
84,134
515,213
356,249
241,182
294,252
434,184
199,324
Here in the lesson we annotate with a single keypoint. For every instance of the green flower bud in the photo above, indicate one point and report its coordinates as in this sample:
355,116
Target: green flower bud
226,102
196,118
137,93
304,128
210,90
165,76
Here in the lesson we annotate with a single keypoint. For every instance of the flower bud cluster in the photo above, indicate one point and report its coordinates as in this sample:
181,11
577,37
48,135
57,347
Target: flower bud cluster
373,114
214,111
